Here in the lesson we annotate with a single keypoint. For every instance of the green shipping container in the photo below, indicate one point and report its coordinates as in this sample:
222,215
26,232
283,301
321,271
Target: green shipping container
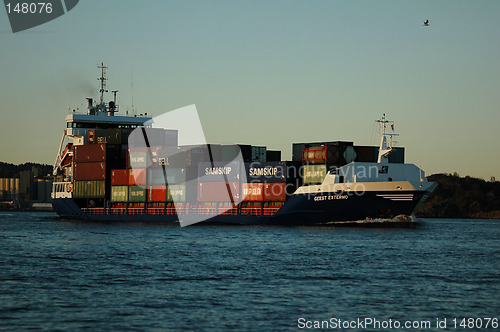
119,193
89,189
174,175
136,194
176,192
315,174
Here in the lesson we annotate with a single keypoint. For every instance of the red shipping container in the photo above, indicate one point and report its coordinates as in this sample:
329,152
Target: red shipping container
89,171
275,192
157,193
137,177
252,192
218,191
120,177
90,153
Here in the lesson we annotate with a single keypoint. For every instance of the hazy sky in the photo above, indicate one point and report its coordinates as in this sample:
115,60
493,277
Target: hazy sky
268,73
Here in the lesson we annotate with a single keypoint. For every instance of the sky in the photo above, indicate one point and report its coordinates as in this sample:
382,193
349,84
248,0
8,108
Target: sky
268,73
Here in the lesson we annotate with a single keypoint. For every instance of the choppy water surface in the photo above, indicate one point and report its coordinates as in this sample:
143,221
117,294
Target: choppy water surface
56,274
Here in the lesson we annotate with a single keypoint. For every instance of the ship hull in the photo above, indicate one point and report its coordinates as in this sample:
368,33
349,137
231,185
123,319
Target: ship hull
329,208
300,210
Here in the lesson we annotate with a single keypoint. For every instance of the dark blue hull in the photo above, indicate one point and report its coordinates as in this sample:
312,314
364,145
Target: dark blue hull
325,208
299,210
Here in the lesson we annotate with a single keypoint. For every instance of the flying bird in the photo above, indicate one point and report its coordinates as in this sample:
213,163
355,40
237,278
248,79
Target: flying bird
426,23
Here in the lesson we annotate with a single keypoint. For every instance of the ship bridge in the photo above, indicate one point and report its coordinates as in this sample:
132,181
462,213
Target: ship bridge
79,124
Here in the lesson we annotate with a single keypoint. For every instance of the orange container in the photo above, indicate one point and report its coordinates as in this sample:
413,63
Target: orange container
137,177
275,192
252,192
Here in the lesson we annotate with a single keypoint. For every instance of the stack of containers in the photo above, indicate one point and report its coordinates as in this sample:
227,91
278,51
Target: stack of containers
259,153
143,180
181,169
273,155
92,166
166,185
319,158
119,186
218,182
270,181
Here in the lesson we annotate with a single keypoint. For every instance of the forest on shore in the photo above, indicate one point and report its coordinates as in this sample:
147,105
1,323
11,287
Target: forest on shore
461,197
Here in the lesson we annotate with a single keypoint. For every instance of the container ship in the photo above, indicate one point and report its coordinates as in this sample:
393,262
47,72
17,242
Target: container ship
101,174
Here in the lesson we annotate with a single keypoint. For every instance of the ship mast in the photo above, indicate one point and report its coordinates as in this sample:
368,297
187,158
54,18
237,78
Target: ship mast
385,145
103,80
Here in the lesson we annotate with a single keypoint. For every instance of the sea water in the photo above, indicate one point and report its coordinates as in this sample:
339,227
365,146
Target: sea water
64,275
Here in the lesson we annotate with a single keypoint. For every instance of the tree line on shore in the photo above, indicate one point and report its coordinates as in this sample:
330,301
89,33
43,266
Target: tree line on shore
8,170
461,197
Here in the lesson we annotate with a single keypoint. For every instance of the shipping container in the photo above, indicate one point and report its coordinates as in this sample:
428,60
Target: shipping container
119,193
231,152
89,171
219,172
176,193
174,156
275,191
144,157
252,192
349,154
112,135
157,193
316,153
273,155
265,171
218,191
171,193
322,154
315,174
366,154
297,151
120,177
177,175
156,176
155,137
137,176
370,154
138,159
98,153
136,194
259,153
89,189
170,175
183,156
171,137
